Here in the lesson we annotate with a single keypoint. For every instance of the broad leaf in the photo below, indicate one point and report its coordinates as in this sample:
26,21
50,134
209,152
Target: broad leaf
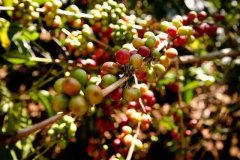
15,57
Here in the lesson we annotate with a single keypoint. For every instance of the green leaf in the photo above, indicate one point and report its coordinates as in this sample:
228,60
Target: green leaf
15,57
188,95
167,123
32,36
190,86
26,35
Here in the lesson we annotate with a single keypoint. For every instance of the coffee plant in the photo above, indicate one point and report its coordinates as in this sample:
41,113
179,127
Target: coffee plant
119,80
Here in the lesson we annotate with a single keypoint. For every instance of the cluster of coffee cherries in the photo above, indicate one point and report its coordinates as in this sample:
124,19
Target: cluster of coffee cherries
176,31
25,11
144,59
62,131
79,42
199,25
75,94
108,12
123,32
52,19
72,21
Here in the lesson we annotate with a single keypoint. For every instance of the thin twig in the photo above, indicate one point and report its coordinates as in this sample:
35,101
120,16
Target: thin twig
114,86
132,147
182,127
192,59
59,11
140,99
29,130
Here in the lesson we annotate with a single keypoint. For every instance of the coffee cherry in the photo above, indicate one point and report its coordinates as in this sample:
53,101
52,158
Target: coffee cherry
185,30
150,42
93,94
58,85
78,105
110,68
177,22
155,54
137,43
219,17
72,130
139,144
71,86
165,61
149,98
148,34
122,56
211,30
192,15
186,21
202,15
159,69
126,130
116,95
171,53
60,102
144,51
80,75
135,117
172,31
127,140
107,80
136,61
151,76
131,94
164,25
182,40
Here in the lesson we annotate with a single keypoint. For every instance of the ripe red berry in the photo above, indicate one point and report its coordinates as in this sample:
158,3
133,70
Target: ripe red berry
116,95
219,17
182,40
144,51
192,15
172,31
122,56
210,30
202,15
186,21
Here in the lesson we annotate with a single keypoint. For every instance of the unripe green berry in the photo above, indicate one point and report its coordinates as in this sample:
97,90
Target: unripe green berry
80,75
159,69
78,105
155,54
60,103
93,94
107,80
136,61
